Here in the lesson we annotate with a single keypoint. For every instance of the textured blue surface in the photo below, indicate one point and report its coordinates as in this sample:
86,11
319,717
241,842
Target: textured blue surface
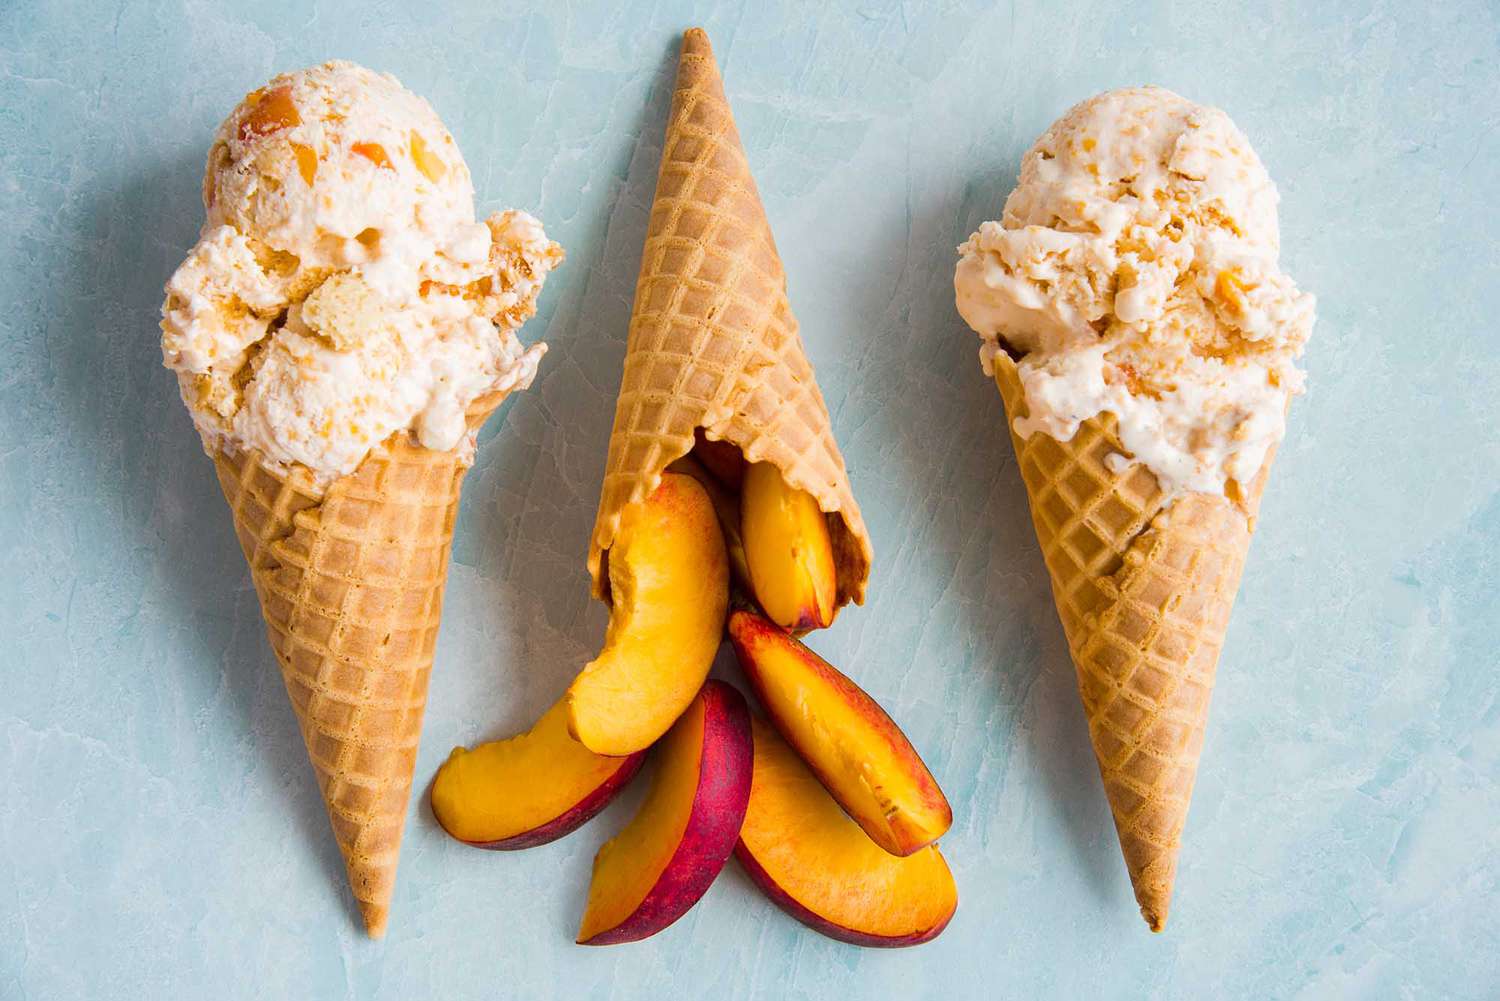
161,835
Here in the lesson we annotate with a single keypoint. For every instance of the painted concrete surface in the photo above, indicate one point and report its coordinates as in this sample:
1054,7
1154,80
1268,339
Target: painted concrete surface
161,835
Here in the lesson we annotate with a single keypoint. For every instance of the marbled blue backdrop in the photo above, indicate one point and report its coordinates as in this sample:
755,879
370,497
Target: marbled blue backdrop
160,833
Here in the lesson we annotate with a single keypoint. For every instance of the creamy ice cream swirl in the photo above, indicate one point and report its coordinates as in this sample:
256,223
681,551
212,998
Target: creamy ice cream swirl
342,290
1135,272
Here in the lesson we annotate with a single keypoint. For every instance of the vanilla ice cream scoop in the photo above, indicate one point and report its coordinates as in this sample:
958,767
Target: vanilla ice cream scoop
342,289
341,167
1135,272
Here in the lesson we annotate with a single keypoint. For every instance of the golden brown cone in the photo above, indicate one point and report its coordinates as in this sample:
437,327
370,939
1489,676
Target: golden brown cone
713,342
351,587
1144,593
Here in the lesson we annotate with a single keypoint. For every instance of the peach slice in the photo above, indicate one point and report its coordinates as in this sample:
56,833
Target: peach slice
818,866
669,590
848,741
728,507
721,458
789,551
528,790
658,867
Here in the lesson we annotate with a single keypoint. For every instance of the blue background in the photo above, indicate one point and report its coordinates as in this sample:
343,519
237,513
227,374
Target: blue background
161,835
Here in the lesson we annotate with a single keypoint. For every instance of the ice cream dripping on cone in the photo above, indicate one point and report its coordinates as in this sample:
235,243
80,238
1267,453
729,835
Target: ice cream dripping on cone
340,332
1143,337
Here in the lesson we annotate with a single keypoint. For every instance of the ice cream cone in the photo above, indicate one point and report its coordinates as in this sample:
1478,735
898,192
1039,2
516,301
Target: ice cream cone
713,342
1144,591
351,586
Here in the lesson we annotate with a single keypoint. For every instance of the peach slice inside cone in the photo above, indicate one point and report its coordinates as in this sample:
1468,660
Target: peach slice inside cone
851,744
669,590
527,790
666,858
789,551
818,866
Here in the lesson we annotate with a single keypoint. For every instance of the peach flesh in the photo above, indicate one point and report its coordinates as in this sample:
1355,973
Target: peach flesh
856,750
269,111
789,551
816,864
527,790
375,153
429,163
669,591
665,859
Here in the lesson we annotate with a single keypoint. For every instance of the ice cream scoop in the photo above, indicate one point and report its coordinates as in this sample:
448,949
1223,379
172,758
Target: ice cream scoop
341,166
342,290
1135,272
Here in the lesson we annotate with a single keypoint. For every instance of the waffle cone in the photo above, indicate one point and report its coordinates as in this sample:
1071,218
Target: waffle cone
713,342
1144,592
351,587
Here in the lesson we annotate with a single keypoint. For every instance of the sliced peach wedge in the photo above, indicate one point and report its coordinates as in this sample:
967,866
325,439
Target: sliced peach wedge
668,590
664,860
529,789
818,866
848,741
789,551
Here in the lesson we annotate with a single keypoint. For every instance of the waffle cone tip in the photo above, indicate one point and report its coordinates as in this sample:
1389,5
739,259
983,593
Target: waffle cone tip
1153,884
375,917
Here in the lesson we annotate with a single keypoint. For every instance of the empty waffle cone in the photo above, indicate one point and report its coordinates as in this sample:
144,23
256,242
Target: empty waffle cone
1144,592
713,342
351,587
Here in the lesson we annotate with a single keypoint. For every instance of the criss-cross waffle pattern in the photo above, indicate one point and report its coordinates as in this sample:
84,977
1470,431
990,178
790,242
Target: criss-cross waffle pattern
713,342
1144,593
351,588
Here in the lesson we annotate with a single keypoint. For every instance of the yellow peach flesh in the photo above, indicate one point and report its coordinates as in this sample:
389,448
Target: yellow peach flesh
506,788
375,153
307,162
856,749
839,880
268,111
669,590
629,864
427,162
788,549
